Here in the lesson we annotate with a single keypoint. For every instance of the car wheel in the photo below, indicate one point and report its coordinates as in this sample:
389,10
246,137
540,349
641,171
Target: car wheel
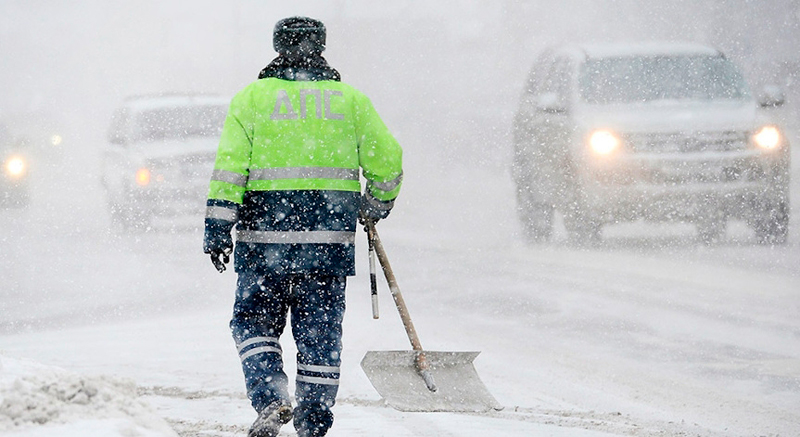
537,222
535,216
128,219
17,201
772,227
710,232
582,226
137,222
117,213
711,226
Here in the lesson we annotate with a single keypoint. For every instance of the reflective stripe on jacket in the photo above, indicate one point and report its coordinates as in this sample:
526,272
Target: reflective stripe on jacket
287,171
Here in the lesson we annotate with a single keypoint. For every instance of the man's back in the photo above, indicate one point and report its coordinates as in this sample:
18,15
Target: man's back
287,176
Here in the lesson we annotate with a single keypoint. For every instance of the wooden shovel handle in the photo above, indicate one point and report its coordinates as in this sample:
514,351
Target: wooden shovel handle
396,295
421,361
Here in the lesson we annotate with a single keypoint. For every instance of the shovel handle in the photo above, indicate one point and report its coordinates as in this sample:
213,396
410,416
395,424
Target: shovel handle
395,290
423,367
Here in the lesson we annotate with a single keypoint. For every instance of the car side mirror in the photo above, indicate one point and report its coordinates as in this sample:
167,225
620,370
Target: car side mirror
550,103
771,96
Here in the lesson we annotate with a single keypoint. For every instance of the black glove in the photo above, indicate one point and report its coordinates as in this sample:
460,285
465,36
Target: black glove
218,243
373,209
220,258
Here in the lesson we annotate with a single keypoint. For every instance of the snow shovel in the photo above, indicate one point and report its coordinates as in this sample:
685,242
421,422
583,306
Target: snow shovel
419,380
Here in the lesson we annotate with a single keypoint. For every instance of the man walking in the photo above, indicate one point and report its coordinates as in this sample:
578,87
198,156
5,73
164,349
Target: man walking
287,176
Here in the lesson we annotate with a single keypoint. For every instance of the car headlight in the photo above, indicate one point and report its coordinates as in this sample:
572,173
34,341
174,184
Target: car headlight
768,137
143,177
604,142
15,167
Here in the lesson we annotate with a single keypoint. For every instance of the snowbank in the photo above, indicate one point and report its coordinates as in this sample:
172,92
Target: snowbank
39,400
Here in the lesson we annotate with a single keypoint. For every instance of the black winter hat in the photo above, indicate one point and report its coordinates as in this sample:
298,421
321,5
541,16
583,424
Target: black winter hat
299,36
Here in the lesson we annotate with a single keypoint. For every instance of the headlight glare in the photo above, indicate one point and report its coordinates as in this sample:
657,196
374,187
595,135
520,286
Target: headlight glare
15,166
768,137
604,142
143,177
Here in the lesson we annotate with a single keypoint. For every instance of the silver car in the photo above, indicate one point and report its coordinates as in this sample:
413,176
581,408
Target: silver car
160,156
661,132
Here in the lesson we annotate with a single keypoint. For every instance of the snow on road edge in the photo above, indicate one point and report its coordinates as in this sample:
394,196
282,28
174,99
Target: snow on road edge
42,400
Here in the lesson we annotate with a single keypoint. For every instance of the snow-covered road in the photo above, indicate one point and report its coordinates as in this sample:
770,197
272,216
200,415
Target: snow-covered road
649,333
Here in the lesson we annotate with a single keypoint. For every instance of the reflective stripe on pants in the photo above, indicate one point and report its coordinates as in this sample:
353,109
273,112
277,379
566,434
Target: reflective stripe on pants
317,306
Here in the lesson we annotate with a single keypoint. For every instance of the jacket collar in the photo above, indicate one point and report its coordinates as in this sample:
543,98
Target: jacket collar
305,68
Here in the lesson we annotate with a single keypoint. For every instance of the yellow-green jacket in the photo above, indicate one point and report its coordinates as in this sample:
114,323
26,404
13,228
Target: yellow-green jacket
287,174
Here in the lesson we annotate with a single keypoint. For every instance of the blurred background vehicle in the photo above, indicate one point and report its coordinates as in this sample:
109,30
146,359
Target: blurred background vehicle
659,131
44,134
14,185
160,156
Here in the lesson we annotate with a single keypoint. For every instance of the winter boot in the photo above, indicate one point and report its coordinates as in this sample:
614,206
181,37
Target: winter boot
270,420
312,420
312,432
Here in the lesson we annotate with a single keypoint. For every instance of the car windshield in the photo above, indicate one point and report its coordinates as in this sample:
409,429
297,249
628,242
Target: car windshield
644,79
180,122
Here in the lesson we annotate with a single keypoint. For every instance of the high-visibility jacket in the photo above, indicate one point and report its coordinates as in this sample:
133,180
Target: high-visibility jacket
287,174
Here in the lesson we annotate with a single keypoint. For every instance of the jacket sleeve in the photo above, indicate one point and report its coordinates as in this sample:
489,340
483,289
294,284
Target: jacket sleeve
379,153
231,168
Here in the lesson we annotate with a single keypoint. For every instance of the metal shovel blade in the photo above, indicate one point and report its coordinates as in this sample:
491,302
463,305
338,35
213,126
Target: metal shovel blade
394,375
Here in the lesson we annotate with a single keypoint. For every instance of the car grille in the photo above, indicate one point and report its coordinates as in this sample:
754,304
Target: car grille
680,158
183,172
683,142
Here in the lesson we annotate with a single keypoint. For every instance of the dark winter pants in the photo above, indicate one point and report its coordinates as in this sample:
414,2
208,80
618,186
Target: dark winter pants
317,306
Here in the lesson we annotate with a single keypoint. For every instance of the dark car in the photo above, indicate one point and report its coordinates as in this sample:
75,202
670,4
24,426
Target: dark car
660,132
